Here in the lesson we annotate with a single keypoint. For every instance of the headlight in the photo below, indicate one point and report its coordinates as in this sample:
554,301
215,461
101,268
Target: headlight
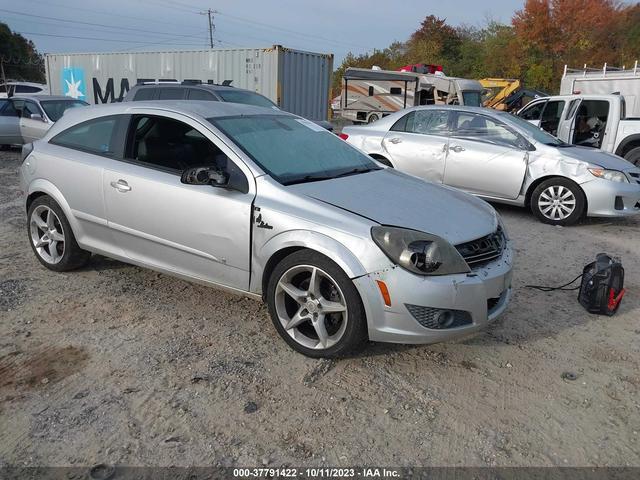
419,252
613,175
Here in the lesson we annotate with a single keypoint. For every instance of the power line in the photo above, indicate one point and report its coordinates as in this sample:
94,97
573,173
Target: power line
89,38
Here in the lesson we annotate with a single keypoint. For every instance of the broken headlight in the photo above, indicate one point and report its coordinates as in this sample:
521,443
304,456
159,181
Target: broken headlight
613,175
419,252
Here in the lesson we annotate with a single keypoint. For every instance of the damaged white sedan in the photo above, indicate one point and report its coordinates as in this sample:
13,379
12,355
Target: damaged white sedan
502,158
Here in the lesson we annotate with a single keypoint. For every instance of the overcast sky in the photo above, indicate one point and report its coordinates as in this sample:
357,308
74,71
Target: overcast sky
336,26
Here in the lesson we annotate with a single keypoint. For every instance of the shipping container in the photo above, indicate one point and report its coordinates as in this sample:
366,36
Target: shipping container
297,81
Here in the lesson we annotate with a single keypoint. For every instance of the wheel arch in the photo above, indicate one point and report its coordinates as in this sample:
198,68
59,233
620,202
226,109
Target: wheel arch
382,159
538,181
284,244
42,187
628,144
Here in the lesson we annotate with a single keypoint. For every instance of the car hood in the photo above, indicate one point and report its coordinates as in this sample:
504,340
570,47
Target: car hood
390,197
596,157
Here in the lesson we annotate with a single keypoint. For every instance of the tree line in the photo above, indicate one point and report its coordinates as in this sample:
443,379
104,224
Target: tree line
19,57
534,47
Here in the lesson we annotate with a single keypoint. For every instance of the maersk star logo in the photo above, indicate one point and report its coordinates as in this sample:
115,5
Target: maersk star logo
73,83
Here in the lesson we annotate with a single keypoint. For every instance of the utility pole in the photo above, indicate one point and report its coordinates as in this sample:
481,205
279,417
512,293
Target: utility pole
209,13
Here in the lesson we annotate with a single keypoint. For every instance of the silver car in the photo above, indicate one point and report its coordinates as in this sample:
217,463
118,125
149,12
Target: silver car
273,206
24,119
500,157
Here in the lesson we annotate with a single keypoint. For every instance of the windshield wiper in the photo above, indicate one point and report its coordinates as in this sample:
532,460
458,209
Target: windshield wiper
308,178
356,171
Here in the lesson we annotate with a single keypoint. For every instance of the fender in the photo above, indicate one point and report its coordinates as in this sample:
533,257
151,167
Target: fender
48,188
625,141
319,242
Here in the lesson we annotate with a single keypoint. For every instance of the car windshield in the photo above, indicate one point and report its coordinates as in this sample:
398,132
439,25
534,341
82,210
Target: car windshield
472,99
248,98
294,150
533,132
55,108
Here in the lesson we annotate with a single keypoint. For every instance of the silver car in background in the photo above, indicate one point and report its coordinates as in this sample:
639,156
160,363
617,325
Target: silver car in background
24,119
273,206
500,157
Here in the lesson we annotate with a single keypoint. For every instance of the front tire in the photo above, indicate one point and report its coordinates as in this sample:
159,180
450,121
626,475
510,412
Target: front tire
315,307
51,237
558,201
633,156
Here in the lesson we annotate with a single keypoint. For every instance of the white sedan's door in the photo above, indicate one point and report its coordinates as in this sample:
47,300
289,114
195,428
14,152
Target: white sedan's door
417,143
9,123
199,231
32,129
485,157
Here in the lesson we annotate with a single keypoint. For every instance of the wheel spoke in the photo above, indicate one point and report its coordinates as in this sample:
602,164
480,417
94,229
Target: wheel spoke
568,194
53,250
41,224
41,243
314,283
55,235
297,319
51,219
546,210
321,331
332,307
294,292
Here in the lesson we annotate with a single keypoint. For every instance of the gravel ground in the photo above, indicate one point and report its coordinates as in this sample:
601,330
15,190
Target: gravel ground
120,365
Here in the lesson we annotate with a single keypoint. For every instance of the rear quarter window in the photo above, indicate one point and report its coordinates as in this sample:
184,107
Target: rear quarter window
144,94
93,136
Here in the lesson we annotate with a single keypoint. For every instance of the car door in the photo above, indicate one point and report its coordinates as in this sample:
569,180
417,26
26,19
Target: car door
591,126
9,123
485,157
532,112
565,129
32,129
199,231
417,143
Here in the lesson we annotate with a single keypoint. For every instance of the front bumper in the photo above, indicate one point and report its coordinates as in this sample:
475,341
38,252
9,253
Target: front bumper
477,298
611,199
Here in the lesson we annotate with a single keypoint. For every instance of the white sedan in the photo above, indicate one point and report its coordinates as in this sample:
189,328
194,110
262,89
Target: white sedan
502,158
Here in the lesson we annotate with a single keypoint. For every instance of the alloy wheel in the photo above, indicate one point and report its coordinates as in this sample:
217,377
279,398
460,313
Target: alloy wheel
557,202
311,307
47,234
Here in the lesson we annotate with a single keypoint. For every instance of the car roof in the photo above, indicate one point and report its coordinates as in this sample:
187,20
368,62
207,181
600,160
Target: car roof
198,108
202,86
42,97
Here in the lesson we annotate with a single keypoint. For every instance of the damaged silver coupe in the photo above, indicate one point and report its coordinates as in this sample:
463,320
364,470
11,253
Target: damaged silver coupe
272,206
502,158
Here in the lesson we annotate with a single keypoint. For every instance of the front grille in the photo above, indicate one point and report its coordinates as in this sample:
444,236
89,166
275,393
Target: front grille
429,317
483,250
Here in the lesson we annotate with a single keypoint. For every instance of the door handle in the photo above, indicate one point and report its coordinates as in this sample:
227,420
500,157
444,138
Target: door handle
121,186
457,148
396,140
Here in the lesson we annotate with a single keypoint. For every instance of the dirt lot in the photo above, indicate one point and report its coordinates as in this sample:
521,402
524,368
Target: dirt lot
118,364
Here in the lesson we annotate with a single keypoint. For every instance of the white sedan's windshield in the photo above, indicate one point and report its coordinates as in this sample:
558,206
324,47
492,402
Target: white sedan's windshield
294,150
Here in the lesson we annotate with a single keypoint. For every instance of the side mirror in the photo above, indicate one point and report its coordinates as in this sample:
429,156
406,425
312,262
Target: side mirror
36,116
205,176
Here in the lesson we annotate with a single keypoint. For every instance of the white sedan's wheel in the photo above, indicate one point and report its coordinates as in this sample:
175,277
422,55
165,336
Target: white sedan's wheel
558,201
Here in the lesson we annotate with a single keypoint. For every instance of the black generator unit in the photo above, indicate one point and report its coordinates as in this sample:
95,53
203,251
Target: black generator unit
602,286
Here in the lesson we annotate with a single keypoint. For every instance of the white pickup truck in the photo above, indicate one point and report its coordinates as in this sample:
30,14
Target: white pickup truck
597,121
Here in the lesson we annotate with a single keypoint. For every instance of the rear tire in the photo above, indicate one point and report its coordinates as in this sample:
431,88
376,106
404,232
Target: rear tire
633,156
558,201
51,237
373,118
315,307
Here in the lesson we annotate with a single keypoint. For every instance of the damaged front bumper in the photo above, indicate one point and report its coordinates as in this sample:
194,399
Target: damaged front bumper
611,199
429,309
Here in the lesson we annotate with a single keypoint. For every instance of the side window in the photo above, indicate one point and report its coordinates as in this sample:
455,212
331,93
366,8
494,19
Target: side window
144,94
30,108
27,89
3,104
395,91
480,128
171,93
551,116
405,124
172,145
431,122
590,123
14,109
371,91
199,94
533,112
93,136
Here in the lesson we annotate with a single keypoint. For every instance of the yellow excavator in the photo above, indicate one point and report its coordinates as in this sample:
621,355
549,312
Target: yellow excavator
497,90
